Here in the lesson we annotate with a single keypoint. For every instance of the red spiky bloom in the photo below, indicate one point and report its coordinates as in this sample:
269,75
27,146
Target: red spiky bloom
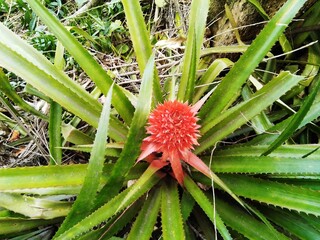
173,131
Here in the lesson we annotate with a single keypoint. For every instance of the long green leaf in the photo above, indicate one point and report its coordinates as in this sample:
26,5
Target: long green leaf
19,57
296,120
34,207
171,219
197,24
141,40
55,138
85,60
131,148
285,151
86,197
264,165
294,223
115,224
68,177
16,225
235,117
210,75
260,123
272,133
117,204
285,196
9,92
229,88
206,206
55,120
244,223
144,224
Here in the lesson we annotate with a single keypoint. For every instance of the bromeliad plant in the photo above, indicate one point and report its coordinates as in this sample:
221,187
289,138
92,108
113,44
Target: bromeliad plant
257,189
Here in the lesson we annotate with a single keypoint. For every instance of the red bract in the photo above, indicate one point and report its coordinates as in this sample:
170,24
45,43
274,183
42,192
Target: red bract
173,131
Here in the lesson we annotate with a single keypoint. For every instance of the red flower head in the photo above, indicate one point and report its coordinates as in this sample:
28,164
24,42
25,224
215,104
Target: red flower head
173,132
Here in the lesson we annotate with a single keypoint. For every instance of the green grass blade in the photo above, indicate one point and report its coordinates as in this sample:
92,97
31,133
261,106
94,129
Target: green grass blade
85,60
285,196
140,39
131,147
171,218
117,204
206,206
144,224
229,88
197,24
296,120
244,223
235,117
86,197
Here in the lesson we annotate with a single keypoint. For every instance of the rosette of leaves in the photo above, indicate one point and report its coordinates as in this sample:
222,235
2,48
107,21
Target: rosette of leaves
264,188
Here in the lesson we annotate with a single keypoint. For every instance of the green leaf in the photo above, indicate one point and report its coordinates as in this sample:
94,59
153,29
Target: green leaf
141,40
117,204
230,120
131,148
144,224
197,24
55,139
264,165
244,223
278,194
187,204
292,222
16,225
23,60
296,120
86,197
115,224
209,76
206,206
272,133
171,219
59,179
9,92
85,60
311,18
75,136
229,89
55,120
258,6
34,207
260,123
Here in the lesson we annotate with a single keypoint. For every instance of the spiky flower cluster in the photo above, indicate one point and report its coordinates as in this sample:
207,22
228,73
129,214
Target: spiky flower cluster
173,132
173,125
